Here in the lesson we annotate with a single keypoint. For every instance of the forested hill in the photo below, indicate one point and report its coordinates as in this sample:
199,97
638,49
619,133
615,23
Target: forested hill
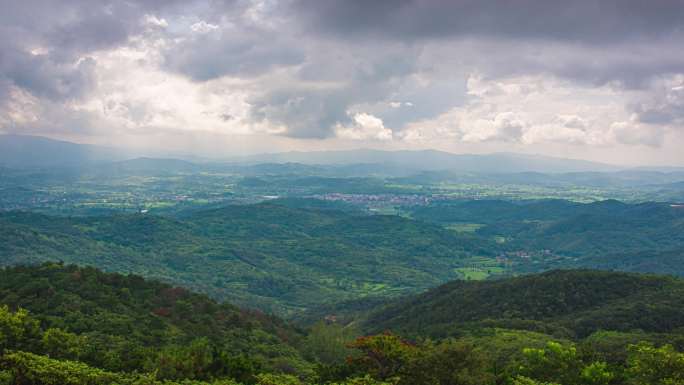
278,258
71,325
574,303
645,237
125,323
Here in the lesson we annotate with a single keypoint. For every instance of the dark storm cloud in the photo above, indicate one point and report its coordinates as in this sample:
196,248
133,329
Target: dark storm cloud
43,76
665,108
341,76
622,43
216,54
581,20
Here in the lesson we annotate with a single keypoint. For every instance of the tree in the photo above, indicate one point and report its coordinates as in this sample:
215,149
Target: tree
58,343
557,363
328,343
18,331
647,364
184,362
383,356
450,362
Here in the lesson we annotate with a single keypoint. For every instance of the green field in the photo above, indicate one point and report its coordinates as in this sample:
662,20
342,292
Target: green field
479,268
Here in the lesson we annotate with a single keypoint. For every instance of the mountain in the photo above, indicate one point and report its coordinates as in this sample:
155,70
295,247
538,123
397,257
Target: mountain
23,151
571,302
147,166
437,160
126,324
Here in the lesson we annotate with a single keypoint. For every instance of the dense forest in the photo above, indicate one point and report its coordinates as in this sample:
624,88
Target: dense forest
565,303
291,255
62,324
276,257
598,234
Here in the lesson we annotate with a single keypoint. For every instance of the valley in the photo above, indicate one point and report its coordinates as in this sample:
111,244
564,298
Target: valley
165,271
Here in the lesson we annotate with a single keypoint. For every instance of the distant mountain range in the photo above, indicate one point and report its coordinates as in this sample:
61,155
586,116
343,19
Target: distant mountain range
432,160
19,151
22,151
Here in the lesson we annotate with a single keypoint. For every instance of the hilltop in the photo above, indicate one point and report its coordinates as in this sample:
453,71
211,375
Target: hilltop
570,303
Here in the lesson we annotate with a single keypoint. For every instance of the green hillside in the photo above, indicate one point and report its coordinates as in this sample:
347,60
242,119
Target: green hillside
570,303
573,234
71,325
268,256
124,323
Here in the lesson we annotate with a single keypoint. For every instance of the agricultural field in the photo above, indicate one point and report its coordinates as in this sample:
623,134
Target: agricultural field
480,268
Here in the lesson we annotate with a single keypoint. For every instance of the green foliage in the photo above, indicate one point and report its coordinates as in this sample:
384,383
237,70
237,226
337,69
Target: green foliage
125,323
386,357
270,256
86,328
327,343
365,380
383,356
522,380
184,362
17,329
597,373
609,234
558,363
566,303
555,362
655,366
277,379
29,368
58,343
6,377
449,362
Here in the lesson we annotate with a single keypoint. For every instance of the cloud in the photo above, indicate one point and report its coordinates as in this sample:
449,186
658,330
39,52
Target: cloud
527,110
365,127
155,21
417,73
664,105
636,134
203,27
583,20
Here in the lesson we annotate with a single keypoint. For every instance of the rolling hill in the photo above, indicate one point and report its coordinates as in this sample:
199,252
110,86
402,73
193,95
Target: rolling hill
23,151
571,303
268,255
581,231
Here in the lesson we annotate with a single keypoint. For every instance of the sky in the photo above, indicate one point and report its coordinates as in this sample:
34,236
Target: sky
596,80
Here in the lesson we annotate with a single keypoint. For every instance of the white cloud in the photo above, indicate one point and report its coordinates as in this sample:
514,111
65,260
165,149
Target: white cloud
203,27
400,104
364,127
528,110
155,21
633,133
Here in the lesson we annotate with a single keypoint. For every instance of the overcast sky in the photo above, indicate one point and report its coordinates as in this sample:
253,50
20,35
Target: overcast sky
600,80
